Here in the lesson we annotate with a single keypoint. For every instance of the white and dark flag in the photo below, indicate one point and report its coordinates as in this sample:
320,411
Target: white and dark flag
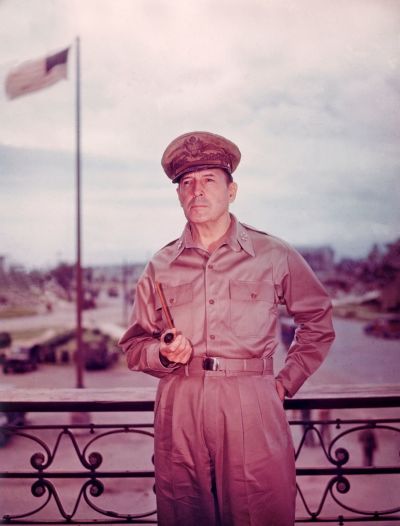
35,75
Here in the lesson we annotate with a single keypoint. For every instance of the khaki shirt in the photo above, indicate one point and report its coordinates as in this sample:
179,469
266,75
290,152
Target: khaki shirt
226,303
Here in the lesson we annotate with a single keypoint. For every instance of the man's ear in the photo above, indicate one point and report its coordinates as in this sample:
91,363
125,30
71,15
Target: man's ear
233,187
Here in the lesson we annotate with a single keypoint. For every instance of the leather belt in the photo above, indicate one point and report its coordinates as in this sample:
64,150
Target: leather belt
216,364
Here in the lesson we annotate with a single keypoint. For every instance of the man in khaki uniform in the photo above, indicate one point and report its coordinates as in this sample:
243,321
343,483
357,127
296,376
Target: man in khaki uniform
223,450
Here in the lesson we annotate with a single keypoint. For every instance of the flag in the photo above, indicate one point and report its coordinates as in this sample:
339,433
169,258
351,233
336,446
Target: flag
35,75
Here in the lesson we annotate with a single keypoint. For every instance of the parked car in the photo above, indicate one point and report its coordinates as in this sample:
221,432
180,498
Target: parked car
99,352
113,292
12,418
88,303
19,360
384,327
100,349
5,342
5,339
99,358
47,350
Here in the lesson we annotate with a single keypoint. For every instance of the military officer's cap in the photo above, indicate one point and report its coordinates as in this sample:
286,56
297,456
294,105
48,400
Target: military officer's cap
198,150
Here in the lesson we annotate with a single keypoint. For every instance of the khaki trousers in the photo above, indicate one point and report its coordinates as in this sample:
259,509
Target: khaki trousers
223,451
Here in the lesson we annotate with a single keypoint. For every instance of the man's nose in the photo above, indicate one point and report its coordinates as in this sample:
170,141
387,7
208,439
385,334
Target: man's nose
198,189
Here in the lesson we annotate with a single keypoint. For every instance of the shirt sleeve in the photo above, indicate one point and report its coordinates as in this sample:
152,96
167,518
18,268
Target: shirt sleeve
307,301
140,342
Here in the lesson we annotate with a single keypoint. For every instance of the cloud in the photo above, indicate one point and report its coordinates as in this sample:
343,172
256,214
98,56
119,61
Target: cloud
308,90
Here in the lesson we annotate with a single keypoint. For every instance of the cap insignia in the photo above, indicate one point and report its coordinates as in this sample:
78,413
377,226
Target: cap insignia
194,146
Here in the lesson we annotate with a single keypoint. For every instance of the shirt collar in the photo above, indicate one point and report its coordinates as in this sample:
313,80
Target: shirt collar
243,238
237,238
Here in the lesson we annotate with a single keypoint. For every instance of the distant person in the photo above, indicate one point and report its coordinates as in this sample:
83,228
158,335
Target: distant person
309,439
325,429
369,446
223,449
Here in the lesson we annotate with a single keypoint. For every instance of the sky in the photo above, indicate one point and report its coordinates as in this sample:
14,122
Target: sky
308,89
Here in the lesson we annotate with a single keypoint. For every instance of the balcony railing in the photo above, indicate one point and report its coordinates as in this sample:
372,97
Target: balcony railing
84,456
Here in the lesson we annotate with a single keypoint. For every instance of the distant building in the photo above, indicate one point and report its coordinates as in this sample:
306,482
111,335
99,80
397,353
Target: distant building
320,259
116,273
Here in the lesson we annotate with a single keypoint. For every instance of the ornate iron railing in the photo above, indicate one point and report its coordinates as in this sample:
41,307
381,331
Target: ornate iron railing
64,465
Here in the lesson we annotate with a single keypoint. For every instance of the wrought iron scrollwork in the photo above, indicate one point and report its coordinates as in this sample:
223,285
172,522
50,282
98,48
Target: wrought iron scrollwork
93,487
340,472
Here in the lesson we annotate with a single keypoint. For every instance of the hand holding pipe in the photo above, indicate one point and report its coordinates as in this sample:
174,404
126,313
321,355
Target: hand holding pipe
169,336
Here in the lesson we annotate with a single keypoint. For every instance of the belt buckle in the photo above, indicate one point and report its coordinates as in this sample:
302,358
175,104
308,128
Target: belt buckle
210,364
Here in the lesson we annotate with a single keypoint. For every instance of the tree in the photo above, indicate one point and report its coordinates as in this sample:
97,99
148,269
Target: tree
64,276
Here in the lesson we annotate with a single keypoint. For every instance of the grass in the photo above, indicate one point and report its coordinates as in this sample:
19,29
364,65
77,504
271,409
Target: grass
28,334
16,312
356,312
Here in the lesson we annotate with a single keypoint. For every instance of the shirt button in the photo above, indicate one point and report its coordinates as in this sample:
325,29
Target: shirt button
211,302
210,267
212,337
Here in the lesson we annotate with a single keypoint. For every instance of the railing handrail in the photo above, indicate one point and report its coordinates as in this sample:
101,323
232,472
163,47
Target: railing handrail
142,398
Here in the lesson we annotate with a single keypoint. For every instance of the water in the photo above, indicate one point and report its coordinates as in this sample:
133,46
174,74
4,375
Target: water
361,358
355,358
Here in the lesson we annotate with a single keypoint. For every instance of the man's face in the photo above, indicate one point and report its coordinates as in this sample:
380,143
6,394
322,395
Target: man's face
205,195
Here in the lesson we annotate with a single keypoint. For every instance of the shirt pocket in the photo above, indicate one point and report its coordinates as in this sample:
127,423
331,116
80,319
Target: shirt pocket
179,300
250,305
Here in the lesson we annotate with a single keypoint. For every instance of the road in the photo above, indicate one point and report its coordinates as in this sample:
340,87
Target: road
110,309
354,357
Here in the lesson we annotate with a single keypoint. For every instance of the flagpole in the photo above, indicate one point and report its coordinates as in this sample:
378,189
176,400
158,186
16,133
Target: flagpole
79,339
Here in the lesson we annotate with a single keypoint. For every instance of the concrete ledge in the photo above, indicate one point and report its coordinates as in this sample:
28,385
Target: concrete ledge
142,398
